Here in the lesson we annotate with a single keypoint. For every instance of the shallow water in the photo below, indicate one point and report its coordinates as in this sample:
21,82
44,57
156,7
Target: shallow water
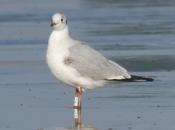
138,35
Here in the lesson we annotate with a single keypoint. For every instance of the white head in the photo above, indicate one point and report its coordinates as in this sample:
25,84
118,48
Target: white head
59,21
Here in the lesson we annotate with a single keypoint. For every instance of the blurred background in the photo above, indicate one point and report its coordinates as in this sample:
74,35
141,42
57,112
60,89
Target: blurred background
138,34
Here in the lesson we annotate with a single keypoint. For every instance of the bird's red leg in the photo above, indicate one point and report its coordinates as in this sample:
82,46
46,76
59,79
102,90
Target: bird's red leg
78,98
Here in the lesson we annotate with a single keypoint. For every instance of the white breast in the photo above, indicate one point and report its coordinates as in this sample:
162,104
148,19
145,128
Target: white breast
56,65
57,51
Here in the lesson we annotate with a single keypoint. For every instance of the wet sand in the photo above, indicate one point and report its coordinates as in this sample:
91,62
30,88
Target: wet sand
139,36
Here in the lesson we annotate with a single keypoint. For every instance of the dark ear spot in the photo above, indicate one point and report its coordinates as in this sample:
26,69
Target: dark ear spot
68,60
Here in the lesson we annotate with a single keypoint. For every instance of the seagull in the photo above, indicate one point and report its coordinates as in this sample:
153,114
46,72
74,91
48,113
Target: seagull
79,65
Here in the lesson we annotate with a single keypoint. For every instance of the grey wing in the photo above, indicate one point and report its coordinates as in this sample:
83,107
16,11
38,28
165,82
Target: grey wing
90,63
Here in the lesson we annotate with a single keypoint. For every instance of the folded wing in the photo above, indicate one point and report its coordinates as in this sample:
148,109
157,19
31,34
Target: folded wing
90,63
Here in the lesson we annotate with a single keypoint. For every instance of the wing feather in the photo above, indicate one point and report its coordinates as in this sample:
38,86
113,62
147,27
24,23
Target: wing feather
90,63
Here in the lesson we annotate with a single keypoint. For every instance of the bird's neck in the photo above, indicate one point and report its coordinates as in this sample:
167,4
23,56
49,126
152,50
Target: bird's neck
60,34
59,40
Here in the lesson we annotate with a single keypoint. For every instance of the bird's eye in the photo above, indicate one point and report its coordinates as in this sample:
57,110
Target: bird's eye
62,20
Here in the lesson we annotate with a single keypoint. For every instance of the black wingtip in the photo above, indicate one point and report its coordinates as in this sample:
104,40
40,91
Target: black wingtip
141,78
134,78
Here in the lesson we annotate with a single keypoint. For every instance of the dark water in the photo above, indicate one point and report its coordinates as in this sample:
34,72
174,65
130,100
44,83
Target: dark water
138,34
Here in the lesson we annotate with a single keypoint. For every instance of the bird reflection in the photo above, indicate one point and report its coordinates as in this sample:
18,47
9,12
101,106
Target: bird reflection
77,118
78,123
